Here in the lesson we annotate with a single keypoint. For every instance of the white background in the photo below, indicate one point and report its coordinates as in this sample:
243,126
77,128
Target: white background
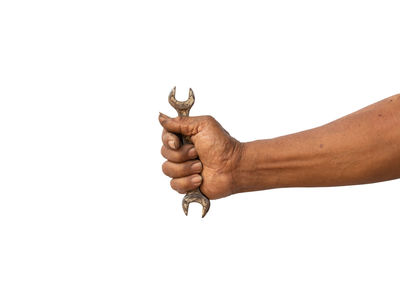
82,195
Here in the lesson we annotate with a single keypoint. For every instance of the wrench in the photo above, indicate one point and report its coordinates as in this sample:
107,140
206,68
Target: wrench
183,108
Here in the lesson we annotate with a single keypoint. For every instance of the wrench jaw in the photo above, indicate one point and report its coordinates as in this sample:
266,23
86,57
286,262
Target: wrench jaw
182,107
195,196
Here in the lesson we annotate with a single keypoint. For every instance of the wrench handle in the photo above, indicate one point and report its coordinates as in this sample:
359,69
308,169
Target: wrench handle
183,109
194,195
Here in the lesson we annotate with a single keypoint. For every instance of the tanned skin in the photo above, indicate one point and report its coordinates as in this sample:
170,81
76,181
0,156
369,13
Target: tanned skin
362,147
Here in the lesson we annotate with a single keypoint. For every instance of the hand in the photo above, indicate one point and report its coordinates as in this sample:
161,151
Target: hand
218,152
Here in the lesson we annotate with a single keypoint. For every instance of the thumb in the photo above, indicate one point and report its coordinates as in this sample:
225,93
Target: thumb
187,126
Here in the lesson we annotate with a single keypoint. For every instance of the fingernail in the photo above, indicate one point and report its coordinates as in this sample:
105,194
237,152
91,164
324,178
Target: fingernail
196,179
172,144
192,152
196,166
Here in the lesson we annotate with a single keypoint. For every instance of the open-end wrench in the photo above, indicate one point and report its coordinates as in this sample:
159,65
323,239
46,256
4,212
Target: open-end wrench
183,108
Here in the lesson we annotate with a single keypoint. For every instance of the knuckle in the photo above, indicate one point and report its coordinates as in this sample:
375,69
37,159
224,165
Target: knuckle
207,121
180,170
163,151
164,168
189,166
175,158
175,186
185,128
180,156
209,118
164,139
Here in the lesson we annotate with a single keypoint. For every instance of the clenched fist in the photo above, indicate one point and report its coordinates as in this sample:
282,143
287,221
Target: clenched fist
209,163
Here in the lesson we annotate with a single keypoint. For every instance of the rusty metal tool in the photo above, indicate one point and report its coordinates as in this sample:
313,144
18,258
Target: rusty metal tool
183,108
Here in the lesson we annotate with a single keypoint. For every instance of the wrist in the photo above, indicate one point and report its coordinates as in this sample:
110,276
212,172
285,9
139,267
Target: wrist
250,174
240,170
270,163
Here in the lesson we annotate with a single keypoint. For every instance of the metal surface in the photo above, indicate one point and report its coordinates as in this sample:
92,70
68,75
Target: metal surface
183,109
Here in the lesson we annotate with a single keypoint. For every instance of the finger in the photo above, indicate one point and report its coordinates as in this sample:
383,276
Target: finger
178,170
170,140
185,184
184,153
187,126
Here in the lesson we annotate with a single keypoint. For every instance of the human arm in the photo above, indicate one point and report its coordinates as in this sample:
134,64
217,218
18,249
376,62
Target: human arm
362,147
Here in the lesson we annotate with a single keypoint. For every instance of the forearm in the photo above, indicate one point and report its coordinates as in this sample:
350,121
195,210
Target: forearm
362,147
